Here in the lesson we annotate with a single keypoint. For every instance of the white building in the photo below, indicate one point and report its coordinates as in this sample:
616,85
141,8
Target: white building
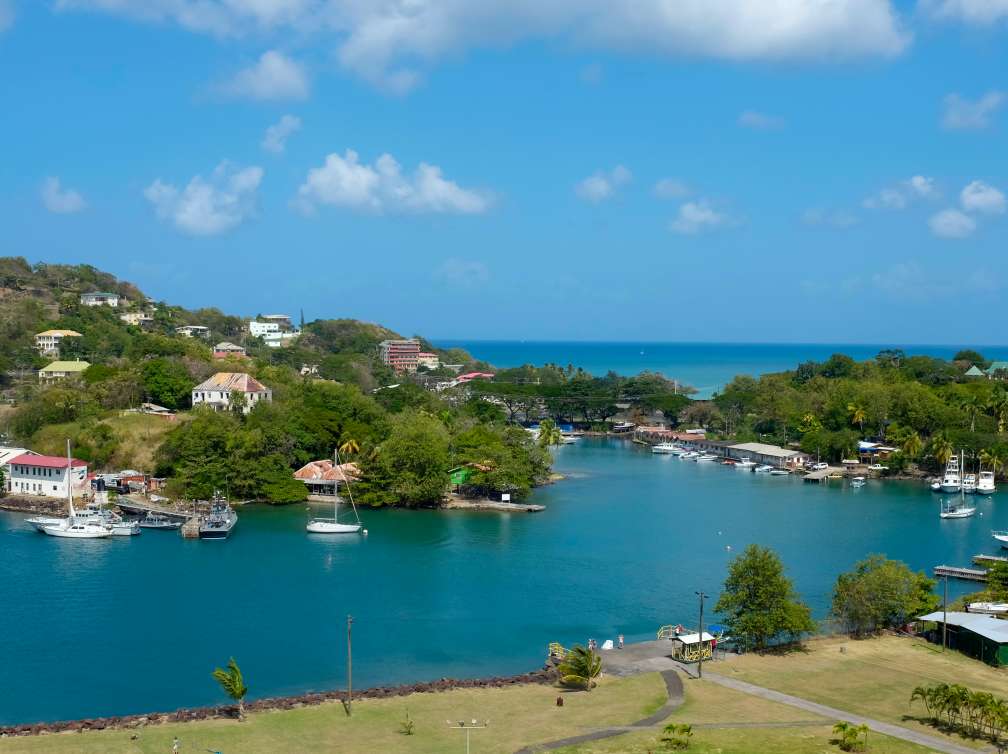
262,329
277,339
98,298
193,331
283,320
137,319
32,474
428,360
216,392
48,341
6,456
61,370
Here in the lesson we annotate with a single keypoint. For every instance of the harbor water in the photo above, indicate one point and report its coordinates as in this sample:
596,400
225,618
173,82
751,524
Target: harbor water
137,623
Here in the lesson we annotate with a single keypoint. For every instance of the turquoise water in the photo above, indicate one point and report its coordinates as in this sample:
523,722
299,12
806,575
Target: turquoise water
706,366
133,625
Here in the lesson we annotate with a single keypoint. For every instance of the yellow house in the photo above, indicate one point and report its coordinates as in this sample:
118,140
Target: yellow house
49,340
61,370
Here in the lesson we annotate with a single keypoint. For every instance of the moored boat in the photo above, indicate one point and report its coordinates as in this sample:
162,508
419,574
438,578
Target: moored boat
957,511
745,464
1001,537
333,525
158,521
664,448
990,608
219,522
763,469
985,484
858,481
951,480
706,458
969,484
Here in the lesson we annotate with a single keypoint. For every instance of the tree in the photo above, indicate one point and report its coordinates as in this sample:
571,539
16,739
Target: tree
410,467
940,449
992,457
549,434
879,594
349,447
858,415
759,602
167,382
580,668
233,684
972,356
912,445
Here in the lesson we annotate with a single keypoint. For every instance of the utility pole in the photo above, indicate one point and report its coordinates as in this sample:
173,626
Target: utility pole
702,597
945,616
349,664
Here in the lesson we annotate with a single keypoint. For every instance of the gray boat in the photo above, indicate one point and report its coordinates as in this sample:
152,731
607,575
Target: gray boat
219,522
158,521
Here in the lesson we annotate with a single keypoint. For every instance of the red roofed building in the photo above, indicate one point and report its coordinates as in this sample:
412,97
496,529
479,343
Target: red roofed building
470,376
46,475
323,477
217,390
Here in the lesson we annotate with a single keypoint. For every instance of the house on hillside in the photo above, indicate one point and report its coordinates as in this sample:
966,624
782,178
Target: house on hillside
428,360
974,371
225,348
324,477
193,331
998,370
216,392
401,355
33,474
61,370
98,298
143,320
48,341
282,320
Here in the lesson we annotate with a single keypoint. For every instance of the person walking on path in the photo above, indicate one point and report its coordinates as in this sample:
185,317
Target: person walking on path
175,745
619,641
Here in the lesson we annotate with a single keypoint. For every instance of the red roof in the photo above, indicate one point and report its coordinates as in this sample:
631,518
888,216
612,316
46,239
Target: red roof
48,462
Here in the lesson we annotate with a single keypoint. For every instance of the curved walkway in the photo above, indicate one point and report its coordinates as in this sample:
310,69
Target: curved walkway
674,686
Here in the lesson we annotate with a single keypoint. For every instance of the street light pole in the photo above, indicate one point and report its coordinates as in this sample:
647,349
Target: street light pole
463,725
945,616
349,664
702,597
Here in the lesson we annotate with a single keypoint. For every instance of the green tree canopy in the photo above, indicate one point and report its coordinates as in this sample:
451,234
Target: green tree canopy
880,593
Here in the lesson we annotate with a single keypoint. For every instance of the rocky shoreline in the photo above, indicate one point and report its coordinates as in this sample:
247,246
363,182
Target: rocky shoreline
546,675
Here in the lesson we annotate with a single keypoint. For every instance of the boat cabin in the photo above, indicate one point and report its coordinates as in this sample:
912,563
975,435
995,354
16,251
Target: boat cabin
691,647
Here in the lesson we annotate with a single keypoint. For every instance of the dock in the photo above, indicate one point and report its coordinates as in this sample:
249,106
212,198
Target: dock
989,559
956,572
823,475
141,507
190,529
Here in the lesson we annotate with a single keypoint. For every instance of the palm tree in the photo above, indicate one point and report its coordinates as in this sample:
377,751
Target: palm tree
998,406
973,406
580,668
349,447
927,696
858,415
233,684
992,457
549,433
940,448
912,445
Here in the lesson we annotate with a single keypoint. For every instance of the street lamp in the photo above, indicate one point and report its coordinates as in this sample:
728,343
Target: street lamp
702,597
474,724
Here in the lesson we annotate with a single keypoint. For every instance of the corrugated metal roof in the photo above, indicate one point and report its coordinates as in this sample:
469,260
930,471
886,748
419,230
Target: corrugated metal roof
766,450
60,333
324,470
986,626
48,462
233,381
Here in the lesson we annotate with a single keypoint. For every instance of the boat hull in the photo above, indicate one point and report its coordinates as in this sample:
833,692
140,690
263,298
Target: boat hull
950,488
57,531
330,527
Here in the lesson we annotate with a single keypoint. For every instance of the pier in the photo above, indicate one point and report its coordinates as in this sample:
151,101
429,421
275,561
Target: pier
823,475
989,559
956,572
141,507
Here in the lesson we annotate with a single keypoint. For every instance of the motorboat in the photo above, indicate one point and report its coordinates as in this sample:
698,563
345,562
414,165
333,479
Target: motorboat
333,525
858,481
219,522
664,448
566,439
985,484
969,484
690,454
158,521
957,511
706,458
1001,537
729,462
936,486
95,513
779,472
990,608
763,468
40,522
951,481
745,464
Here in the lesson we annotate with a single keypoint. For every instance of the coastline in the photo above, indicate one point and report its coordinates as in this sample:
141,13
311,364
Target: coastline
543,676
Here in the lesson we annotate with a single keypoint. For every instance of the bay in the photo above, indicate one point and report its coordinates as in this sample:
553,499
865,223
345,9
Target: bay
706,366
137,624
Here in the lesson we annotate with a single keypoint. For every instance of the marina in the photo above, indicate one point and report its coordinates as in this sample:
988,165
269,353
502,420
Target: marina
462,580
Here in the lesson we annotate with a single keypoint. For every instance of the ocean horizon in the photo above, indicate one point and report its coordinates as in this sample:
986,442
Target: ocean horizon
706,366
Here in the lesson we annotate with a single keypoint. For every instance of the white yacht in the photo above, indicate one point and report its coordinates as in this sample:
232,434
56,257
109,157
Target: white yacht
96,514
706,458
969,484
1001,537
951,481
333,525
985,484
858,481
690,454
745,464
763,468
664,448
74,526
779,472
990,608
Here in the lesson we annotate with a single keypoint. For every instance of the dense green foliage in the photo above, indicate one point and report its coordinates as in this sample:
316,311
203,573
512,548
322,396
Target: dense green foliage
580,667
759,603
881,593
974,713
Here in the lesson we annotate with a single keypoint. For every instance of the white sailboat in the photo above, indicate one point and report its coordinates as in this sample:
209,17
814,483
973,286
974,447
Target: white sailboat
333,525
75,527
957,511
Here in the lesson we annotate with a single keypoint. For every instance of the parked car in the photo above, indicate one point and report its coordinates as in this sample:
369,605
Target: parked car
820,466
878,467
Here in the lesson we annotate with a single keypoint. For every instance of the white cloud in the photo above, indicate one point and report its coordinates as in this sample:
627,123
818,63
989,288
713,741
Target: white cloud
835,218
974,12
694,217
208,207
61,200
962,114
347,182
671,188
391,43
273,77
462,272
903,194
276,136
981,197
951,223
602,185
760,121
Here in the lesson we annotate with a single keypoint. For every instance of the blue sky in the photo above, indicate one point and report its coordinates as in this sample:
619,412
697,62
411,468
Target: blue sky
792,171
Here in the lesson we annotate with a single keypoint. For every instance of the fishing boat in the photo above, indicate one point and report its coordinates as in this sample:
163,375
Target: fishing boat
745,464
74,527
219,522
985,484
665,448
957,511
1001,537
858,481
158,521
951,481
969,484
333,525
706,458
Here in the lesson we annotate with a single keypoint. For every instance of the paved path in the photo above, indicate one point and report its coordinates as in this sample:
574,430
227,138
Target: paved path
674,686
889,729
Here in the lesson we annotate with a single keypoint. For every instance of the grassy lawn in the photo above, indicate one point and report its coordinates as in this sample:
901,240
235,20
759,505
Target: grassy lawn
138,434
873,677
518,716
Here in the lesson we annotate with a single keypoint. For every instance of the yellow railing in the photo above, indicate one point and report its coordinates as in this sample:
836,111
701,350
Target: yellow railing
667,632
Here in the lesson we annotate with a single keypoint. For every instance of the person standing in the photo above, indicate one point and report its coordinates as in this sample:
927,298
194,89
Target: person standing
619,641
176,744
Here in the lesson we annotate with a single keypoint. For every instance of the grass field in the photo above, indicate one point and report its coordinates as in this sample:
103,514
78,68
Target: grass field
138,435
518,716
872,677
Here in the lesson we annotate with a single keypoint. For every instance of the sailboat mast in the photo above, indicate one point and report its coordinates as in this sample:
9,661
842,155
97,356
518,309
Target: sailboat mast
69,483
335,487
